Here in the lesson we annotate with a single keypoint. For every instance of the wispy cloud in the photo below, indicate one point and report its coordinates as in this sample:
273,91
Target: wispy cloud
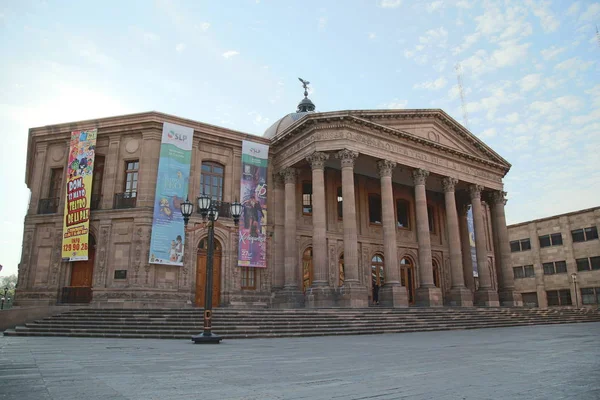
231,53
437,84
395,104
390,3
180,47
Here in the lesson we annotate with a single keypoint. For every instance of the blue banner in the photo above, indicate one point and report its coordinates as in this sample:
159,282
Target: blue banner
168,231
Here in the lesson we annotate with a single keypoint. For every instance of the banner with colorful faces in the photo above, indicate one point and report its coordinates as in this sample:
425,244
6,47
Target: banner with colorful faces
168,231
80,169
471,228
252,249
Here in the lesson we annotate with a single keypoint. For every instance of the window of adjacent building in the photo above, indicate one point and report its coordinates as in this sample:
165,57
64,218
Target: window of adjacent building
97,177
557,267
554,239
431,216
588,264
55,183
211,180
559,297
307,268
374,208
525,271
341,270
402,214
340,203
529,271
518,272
248,278
520,245
307,198
548,268
590,295
583,235
131,177
595,263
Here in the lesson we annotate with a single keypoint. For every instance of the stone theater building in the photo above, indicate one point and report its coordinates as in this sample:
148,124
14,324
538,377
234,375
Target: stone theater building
360,203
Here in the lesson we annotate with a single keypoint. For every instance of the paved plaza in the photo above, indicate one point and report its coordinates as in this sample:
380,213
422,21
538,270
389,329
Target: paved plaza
535,362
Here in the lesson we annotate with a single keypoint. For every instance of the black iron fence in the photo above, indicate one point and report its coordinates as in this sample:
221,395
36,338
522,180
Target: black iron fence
125,200
223,207
76,294
48,206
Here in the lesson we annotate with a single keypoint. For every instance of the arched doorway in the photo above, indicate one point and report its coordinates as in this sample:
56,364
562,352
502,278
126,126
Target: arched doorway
377,277
407,278
307,268
201,273
82,276
437,280
342,270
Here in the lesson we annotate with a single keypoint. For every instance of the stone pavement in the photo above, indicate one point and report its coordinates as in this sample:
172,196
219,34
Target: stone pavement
534,362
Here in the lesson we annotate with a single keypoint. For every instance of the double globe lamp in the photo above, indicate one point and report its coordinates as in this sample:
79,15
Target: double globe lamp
208,210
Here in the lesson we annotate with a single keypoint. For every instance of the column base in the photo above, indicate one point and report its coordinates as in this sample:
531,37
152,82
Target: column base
486,298
393,296
320,297
510,298
352,295
288,298
460,297
429,297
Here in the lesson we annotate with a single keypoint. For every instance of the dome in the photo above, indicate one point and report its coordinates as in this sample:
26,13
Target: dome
283,123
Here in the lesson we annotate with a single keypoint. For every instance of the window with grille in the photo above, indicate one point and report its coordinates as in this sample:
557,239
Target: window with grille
588,264
211,180
520,245
554,239
307,192
248,278
556,267
583,235
525,271
402,214
559,297
131,177
374,208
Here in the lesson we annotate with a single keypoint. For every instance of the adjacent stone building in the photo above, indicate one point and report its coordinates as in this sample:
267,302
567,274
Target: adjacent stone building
556,260
356,199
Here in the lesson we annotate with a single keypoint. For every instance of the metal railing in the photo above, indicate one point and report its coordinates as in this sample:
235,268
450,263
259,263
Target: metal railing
48,206
76,294
125,200
223,207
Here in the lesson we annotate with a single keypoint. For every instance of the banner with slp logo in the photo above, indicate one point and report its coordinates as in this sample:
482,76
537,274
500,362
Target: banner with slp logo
80,169
252,249
168,232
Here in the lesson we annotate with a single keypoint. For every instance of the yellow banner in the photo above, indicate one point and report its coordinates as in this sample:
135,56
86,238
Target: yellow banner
80,169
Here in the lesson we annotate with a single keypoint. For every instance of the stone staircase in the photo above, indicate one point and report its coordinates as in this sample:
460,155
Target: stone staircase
265,323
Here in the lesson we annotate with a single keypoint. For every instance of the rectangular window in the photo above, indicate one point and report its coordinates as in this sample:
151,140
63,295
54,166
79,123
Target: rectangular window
515,246
583,264
248,278
525,244
588,296
307,198
548,268
560,267
520,245
211,179
529,271
131,177
552,297
518,272
402,211
564,297
431,216
55,183
578,235
591,233
121,274
556,239
595,263
545,241
375,208
340,203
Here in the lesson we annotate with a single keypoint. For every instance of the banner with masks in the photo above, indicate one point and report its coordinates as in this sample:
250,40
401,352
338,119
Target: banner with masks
471,228
252,249
168,231
80,169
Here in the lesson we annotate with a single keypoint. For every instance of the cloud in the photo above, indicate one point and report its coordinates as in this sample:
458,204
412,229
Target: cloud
592,12
510,53
511,118
499,97
436,37
204,26
573,66
322,22
258,119
432,85
555,107
500,24
230,53
435,6
468,41
463,4
180,47
530,82
488,133
395,104
552,52
548,20
372,35
390,3
574,9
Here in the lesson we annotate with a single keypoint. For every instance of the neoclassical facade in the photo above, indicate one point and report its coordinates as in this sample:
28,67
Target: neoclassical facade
357,200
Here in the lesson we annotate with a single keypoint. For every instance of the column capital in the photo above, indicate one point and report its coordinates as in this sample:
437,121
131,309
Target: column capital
475,191
277,181
420,176
497,197
449,183
347,157
289,175
385,167
317,159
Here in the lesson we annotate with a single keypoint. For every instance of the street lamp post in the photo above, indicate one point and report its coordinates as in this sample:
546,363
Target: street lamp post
4,298
209,211
574,279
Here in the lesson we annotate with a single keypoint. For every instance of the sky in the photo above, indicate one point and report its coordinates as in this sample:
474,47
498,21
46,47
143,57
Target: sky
530,77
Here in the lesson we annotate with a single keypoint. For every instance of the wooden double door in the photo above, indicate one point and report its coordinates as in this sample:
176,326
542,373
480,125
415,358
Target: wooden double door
407,278
201,274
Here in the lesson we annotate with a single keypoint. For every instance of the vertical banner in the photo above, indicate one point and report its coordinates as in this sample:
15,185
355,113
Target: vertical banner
168,232
470,226
252,249
80,169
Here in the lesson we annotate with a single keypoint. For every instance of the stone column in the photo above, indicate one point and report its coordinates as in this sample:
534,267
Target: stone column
459,294
465,242
355,294
37,177
149,157
485,294
427,293
392,294
278,232
506,284
322,295
111,169
290,296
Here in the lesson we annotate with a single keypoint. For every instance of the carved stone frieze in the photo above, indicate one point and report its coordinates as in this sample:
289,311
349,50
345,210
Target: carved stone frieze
497,196
104,235
317,159
420,176
449,183
347,157
385,167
